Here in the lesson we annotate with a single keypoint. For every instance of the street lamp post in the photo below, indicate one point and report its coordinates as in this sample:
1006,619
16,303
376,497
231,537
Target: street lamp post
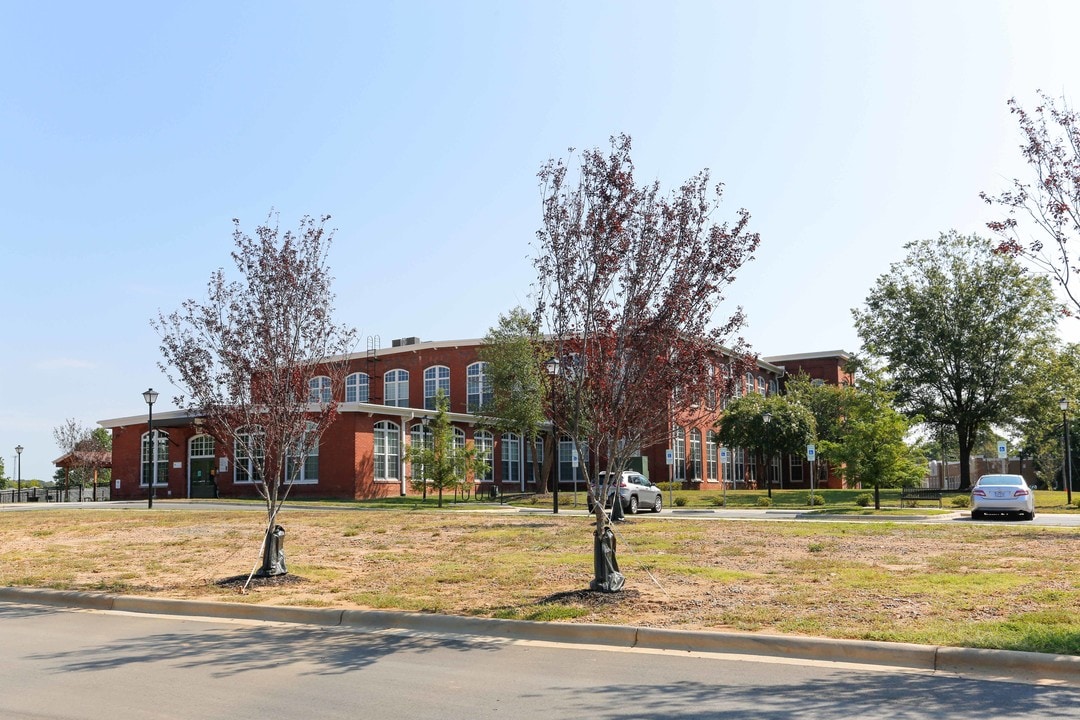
151,397
553,366
18,471
767,418
1066,475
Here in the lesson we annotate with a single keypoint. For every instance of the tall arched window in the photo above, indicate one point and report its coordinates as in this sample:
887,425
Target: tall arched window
511,458
478,386
695,454
303,468
711,466
679,453
421,437
249,451
319,390
436,378
161,460
357,386
396,388
387,451
485,449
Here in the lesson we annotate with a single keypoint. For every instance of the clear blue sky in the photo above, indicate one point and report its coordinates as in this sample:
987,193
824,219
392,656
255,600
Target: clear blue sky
131,134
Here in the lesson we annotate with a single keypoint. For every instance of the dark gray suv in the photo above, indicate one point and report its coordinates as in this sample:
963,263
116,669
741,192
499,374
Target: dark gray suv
635,492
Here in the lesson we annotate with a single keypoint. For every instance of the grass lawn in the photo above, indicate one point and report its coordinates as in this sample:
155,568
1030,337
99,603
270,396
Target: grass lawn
997,586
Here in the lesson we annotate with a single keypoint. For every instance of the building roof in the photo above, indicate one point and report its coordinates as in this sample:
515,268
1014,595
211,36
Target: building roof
781,359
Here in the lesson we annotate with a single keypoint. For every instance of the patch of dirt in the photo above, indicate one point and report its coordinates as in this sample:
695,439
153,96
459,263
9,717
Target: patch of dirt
260,581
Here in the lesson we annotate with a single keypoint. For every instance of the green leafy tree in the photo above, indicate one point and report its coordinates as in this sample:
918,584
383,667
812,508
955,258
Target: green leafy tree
789,429
437,462
87,453
1037,425
515,353
957,326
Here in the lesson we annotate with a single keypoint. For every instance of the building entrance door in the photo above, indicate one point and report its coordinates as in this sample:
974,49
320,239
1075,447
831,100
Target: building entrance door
202,481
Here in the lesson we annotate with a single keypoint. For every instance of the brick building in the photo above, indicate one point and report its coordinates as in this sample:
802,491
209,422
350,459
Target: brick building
388,394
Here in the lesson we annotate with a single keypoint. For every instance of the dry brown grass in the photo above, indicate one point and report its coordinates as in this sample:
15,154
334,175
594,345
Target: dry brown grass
1002,586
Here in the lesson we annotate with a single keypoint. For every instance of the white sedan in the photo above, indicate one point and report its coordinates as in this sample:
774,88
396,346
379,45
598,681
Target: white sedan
1003,494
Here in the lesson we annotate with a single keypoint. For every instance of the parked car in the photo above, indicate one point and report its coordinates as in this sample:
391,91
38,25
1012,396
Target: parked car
1002,494
635,491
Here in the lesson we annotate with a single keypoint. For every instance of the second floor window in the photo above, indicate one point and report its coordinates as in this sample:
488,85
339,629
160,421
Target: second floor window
356,387
319,389
435,379
478,389
396,388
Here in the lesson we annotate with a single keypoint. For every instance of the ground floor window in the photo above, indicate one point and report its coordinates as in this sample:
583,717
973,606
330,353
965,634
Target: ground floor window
796,466
387,451
679,452
711,448
511,458
250,452
301,468
156,471
485,450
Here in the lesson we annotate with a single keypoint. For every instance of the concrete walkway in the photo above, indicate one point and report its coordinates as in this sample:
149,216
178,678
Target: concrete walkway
1005,664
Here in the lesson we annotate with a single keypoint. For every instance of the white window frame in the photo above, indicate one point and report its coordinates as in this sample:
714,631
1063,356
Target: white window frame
388,435
394,382
679,451
320,390
244,470
146,468
712,459
436,377
484,442
478,391
510,457
358,387
304,478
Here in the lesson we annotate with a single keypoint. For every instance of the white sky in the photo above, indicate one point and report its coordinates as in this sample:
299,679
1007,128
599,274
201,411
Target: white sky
133,132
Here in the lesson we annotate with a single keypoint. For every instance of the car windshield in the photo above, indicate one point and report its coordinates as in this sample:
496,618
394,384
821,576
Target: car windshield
1000,480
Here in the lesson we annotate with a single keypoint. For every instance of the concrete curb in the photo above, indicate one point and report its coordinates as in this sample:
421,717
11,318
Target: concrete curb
1026,666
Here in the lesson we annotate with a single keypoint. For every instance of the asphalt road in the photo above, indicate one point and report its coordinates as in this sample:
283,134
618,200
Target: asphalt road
59,664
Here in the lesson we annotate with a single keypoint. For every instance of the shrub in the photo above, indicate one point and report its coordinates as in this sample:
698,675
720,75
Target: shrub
718,500
680,500
864,499
816,547
764,501
815,499
960,501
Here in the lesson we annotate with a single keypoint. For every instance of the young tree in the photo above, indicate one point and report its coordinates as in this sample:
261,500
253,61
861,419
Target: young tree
788,430
245,358
1048,205
87,453
628,283
957,326
439,463
515,353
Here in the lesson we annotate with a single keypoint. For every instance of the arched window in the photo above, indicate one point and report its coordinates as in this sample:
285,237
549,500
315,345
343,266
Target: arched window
511,458
459,439
319,390
761,385
711,462
303,468
695,454
680,453
485,449
421,437
478,386
161,460
436,378
249,451
357,386
396,388
387,450
749,383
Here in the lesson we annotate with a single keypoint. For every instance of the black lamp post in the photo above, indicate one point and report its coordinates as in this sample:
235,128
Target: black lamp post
553,366
151,397
1066,475
18,470
767,418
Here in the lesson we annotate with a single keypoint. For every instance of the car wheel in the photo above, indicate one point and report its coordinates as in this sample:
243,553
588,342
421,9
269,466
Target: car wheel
1029,515
976,514
658,505
632,510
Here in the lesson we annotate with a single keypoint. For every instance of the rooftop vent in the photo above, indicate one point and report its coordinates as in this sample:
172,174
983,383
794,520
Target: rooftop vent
400,342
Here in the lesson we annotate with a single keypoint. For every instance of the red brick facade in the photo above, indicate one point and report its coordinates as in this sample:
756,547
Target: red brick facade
347,461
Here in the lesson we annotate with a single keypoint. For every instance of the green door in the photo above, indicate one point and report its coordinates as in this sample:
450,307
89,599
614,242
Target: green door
202,482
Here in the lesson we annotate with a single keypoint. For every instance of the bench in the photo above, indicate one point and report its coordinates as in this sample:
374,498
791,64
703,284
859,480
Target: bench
913,495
